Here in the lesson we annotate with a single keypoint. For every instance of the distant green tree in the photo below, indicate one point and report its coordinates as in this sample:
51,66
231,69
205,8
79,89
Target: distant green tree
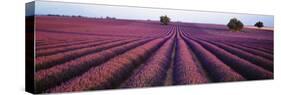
107,17
164,19
259,24
235,25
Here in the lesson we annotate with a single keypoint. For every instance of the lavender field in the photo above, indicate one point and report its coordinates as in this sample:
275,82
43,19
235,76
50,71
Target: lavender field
81,54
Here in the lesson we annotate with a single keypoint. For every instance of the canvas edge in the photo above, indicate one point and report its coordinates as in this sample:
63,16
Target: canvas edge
29,47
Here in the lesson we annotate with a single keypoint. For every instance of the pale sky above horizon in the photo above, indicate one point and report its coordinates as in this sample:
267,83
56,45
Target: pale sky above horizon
125,12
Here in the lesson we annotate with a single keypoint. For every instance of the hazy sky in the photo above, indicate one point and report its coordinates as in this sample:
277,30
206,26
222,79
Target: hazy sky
123,12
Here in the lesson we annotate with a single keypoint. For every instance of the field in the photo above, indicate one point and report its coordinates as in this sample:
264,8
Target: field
80,54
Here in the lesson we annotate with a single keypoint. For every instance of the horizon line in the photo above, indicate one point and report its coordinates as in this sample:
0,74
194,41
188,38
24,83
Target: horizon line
90,17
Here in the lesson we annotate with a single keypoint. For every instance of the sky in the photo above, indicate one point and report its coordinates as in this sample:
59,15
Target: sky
140,13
